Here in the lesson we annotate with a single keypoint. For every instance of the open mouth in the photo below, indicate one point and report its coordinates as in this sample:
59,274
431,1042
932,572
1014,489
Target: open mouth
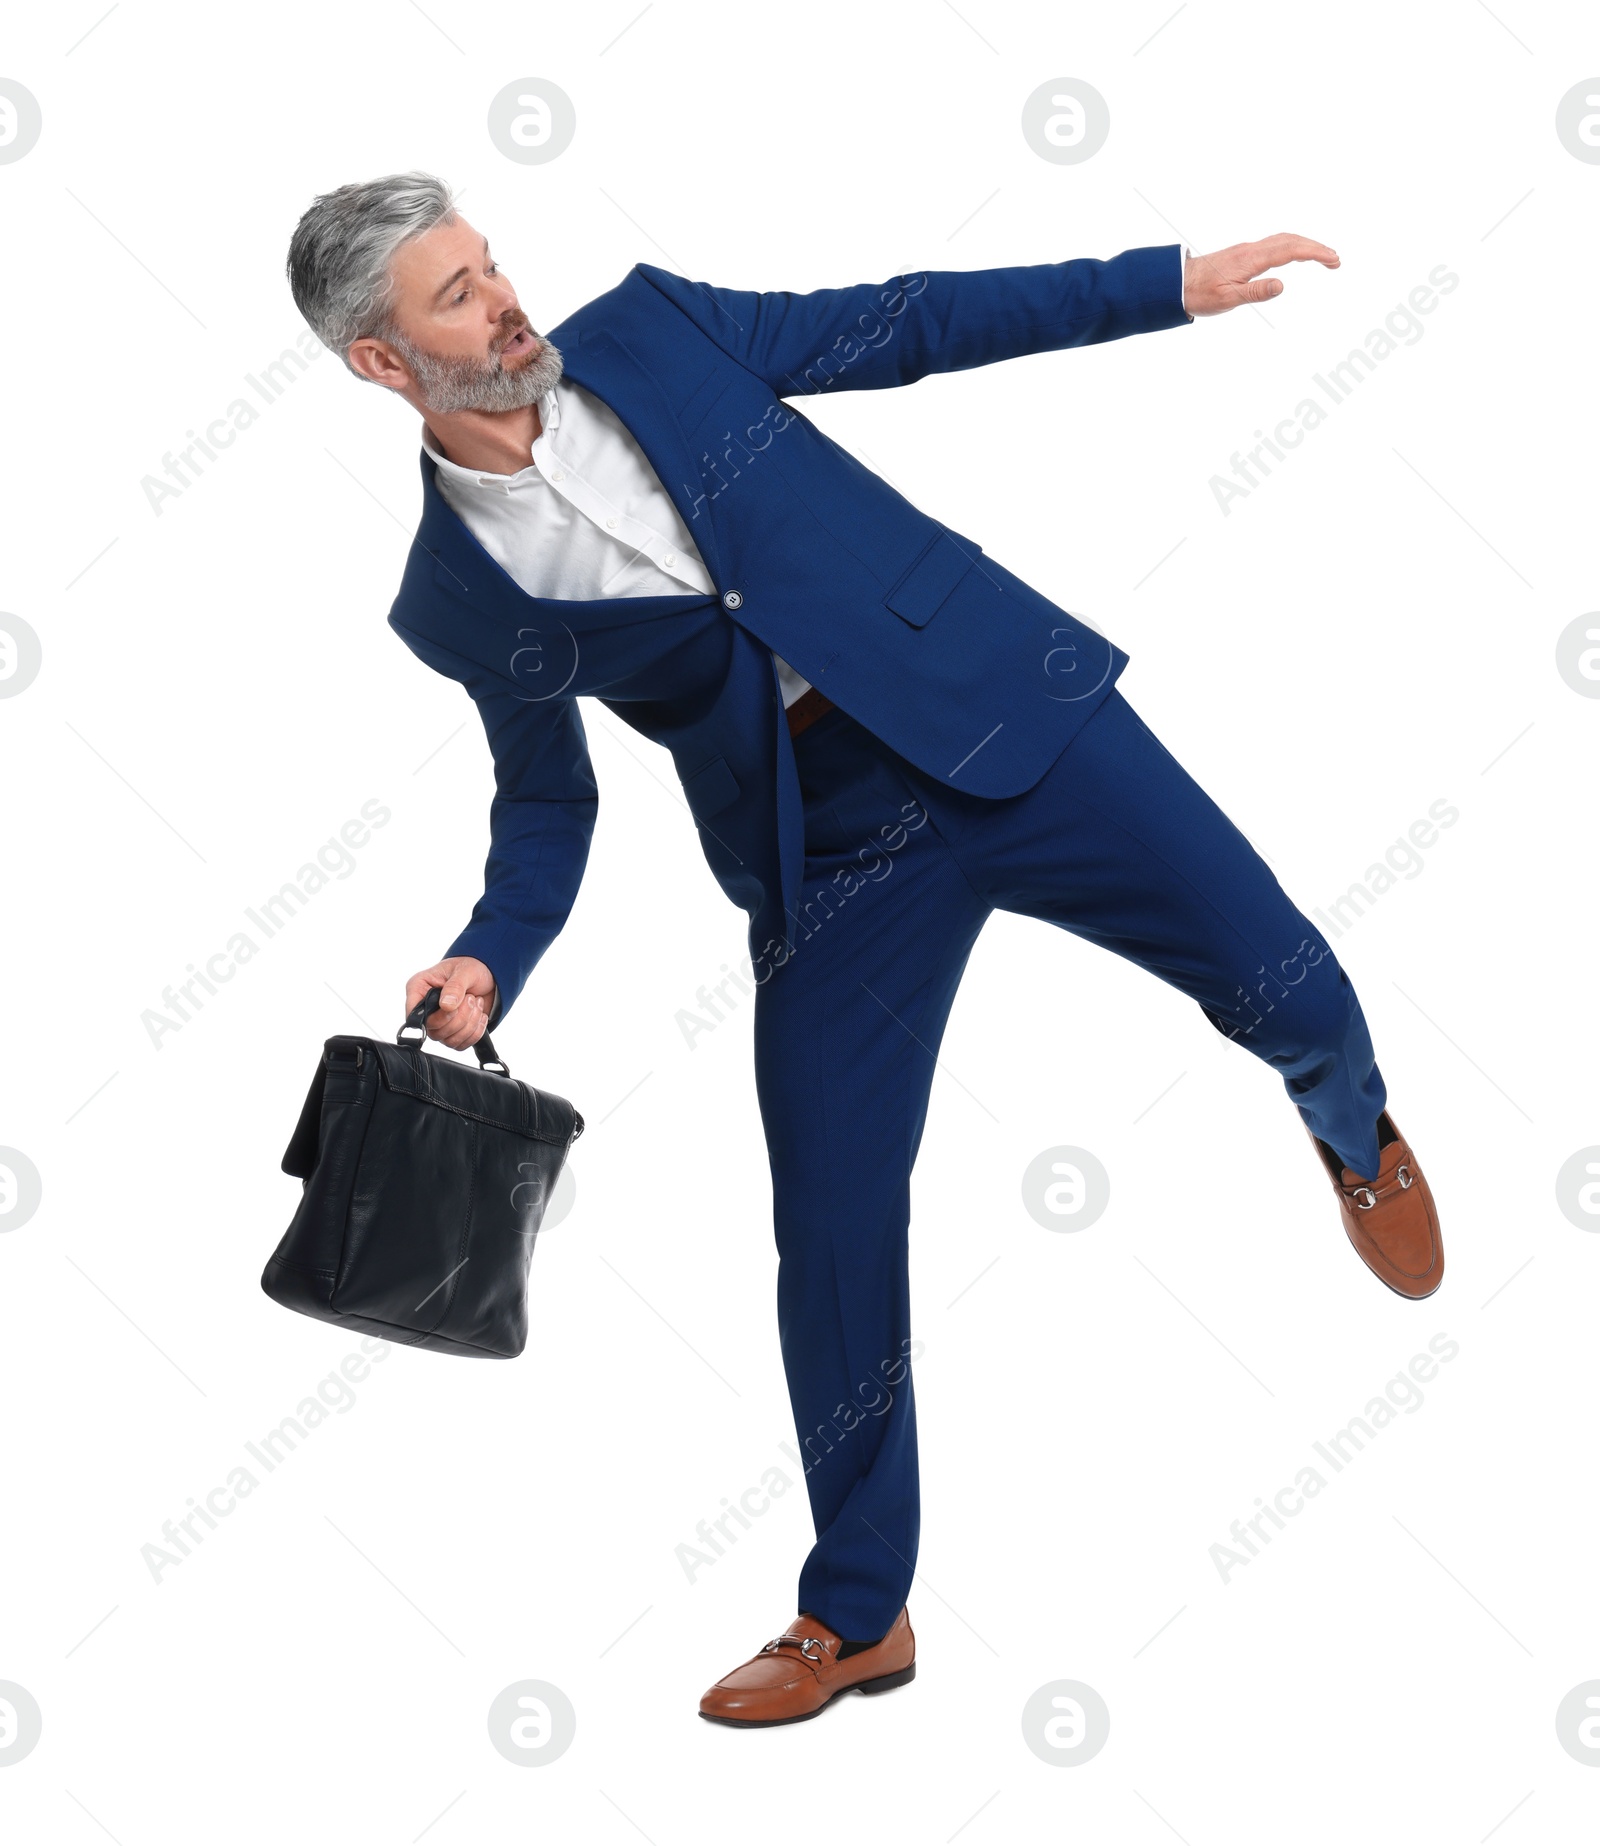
520,342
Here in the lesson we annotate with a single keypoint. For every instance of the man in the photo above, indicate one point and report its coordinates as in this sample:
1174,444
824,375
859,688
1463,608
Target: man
882,734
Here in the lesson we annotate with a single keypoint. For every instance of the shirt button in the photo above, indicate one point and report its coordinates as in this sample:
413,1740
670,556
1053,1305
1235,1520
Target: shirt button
558,475
669,558
731,599
612,524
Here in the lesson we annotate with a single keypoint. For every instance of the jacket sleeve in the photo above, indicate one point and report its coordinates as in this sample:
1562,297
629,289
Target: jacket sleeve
541,822
895,332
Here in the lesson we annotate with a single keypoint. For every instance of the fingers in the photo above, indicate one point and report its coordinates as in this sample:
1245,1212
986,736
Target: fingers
466,997
1290,247
464,980
1235,277
462,1027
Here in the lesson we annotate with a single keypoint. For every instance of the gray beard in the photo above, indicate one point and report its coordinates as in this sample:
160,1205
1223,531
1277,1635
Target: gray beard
449,385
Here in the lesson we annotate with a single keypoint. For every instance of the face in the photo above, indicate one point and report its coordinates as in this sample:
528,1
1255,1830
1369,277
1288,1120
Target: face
458,329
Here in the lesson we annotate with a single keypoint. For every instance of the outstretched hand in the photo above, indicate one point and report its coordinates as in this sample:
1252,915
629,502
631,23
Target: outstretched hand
1230,278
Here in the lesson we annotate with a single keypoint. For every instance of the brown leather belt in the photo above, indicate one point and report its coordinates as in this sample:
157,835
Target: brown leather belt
807,709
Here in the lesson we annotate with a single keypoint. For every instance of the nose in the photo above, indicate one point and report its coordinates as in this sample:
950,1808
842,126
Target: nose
502,299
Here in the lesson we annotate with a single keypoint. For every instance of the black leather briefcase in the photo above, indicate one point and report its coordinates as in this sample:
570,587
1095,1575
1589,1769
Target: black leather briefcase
424,1186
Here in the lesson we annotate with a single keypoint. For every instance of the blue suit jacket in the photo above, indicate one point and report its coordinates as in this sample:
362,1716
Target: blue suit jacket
907,625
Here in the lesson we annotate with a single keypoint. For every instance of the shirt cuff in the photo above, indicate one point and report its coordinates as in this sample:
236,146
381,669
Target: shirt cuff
1183,260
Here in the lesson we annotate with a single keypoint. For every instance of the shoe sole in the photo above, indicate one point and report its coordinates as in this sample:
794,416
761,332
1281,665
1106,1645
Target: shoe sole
886,1683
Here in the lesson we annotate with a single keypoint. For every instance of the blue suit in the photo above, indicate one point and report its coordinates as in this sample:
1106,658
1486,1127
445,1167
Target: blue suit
814,556
980,758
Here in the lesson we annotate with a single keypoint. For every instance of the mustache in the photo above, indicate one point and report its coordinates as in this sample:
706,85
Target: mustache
513,327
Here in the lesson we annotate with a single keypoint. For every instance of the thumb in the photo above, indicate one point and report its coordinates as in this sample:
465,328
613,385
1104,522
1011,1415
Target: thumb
1263,289
418,985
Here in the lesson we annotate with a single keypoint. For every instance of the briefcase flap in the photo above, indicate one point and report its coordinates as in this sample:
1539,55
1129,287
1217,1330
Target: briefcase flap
500,1102
300,1157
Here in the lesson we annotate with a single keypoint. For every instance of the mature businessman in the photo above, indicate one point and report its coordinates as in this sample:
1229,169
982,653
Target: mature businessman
882,734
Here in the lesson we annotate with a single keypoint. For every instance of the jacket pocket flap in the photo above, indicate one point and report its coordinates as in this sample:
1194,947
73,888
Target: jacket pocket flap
931,578
708,393
710,789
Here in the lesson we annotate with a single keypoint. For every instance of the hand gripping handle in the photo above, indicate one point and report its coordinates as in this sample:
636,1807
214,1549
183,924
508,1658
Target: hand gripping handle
414,1033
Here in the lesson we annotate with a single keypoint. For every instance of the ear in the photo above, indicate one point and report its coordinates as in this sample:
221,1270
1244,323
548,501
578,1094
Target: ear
374,360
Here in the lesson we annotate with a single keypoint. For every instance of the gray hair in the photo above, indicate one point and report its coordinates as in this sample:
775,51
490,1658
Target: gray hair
342,248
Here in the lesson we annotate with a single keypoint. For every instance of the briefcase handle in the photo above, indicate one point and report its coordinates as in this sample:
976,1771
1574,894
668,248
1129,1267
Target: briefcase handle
414,1033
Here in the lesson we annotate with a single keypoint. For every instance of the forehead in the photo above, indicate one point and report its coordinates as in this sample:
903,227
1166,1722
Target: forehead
424,264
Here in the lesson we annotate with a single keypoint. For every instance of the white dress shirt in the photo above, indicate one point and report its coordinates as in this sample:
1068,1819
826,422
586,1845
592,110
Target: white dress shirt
587,518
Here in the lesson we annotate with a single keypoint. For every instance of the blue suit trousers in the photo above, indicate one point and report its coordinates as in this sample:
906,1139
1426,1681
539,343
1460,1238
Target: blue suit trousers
1116,843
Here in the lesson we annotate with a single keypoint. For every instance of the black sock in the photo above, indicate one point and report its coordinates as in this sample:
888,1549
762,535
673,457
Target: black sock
847,1648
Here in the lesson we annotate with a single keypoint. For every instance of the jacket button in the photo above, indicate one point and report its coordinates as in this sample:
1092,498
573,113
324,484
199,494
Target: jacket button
731,599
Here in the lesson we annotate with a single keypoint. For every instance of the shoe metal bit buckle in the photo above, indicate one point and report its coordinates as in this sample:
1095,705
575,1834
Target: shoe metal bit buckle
804,1644
1405,1176
1365,1197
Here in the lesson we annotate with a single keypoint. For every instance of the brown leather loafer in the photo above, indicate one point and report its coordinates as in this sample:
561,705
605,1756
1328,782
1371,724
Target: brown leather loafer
798,1672
1390,1219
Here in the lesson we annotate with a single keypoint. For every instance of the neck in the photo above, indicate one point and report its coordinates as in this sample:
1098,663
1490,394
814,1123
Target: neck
487,441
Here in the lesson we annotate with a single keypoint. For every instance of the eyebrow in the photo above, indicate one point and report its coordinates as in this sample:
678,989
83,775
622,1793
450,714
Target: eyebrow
445,287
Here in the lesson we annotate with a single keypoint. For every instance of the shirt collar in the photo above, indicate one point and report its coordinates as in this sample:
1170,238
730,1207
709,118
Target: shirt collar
549,420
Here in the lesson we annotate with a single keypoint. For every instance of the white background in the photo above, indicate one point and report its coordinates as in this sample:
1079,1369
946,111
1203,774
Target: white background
1371,631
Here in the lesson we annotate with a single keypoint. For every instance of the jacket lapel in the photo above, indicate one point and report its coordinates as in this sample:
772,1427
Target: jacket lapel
602,364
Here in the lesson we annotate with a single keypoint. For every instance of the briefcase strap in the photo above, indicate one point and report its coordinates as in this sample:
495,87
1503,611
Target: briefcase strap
413,1032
